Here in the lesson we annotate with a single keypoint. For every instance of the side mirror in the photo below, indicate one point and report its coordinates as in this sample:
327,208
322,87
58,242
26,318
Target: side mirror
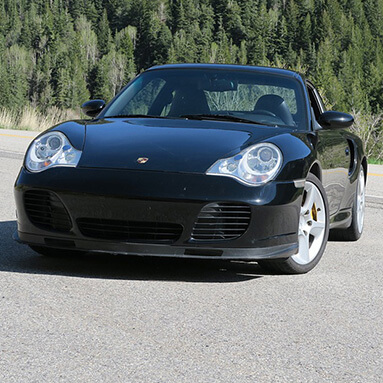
93,107
335,120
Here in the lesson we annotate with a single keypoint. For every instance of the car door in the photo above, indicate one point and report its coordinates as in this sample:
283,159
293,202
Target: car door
333,153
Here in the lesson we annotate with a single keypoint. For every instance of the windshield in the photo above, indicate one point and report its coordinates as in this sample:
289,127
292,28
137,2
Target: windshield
232,95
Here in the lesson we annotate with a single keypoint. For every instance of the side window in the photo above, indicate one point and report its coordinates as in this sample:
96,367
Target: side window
315,101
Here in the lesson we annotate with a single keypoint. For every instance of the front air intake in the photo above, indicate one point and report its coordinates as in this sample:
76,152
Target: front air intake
45,210
221,222
130,231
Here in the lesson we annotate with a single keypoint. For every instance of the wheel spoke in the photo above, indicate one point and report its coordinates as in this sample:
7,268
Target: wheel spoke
317,228
304,249
310,195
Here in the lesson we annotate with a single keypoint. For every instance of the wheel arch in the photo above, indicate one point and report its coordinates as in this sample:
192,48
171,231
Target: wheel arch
316,170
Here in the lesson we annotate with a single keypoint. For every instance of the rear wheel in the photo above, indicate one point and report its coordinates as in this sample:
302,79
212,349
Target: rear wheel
312,232
354,232
55,253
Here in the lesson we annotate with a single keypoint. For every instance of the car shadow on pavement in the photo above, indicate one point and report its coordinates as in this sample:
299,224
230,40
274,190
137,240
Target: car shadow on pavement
18,258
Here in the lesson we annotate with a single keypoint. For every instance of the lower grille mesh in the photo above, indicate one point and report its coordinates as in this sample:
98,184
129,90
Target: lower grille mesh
221,222
45,210
130,231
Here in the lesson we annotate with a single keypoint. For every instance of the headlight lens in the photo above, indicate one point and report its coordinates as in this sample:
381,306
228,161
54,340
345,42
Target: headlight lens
50,150
253,166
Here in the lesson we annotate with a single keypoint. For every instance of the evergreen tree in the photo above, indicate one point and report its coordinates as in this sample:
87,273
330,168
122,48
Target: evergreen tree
5,85
59,52
104,34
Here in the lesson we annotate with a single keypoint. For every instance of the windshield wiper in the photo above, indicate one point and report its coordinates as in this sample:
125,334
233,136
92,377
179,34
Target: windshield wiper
221,117
135,116
215,117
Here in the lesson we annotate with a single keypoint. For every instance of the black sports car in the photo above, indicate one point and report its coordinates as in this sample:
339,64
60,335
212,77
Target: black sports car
198,161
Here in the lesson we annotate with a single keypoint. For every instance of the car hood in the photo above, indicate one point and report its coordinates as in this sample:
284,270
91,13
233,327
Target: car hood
169,145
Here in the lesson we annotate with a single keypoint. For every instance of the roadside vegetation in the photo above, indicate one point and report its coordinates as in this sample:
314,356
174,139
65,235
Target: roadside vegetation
370,129
56,54
30,118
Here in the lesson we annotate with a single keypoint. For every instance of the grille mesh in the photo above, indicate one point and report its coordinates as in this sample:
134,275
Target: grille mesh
130,231
45,210
221,222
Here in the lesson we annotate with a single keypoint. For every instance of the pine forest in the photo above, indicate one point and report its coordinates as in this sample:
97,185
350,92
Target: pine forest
56,54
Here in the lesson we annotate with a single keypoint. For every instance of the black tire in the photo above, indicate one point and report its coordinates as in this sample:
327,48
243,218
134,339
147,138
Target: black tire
352,233
55,253
289,265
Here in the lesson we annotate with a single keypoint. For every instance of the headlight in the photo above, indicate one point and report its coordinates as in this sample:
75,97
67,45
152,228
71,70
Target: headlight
49,150
253,166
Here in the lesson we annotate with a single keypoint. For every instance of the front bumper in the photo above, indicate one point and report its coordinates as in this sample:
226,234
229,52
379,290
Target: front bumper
279,251
163,197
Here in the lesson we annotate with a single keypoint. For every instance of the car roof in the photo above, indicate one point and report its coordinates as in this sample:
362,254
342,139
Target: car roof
259,69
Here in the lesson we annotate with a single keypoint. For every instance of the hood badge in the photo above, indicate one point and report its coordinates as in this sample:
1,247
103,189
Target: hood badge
142,160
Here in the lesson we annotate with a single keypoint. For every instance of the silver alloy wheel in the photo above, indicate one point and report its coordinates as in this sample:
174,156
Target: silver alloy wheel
360,201
312,225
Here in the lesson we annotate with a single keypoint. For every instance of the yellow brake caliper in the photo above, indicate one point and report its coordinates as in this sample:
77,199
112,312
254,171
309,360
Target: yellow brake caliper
314,212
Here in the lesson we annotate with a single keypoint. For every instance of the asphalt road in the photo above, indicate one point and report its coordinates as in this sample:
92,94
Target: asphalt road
102,318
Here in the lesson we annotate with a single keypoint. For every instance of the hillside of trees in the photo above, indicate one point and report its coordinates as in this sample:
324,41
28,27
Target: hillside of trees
60,53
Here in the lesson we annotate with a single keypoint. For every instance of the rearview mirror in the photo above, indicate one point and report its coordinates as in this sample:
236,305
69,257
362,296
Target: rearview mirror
93,107
335,120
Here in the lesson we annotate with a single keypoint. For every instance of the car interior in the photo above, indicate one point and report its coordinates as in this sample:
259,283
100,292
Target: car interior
268,109
274,103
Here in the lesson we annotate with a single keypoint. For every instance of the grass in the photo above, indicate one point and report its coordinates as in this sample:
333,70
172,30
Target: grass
374,161
32,119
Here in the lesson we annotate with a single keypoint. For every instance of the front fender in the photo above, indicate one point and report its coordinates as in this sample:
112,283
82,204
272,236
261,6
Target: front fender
298,155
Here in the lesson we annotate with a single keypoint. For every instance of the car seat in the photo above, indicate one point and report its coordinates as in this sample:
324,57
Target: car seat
189,101
276,105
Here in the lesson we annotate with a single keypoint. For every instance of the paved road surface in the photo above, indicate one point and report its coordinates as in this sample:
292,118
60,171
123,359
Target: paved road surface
119,319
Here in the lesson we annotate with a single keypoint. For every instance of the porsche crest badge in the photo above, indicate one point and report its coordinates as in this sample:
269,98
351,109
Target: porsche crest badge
142,160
